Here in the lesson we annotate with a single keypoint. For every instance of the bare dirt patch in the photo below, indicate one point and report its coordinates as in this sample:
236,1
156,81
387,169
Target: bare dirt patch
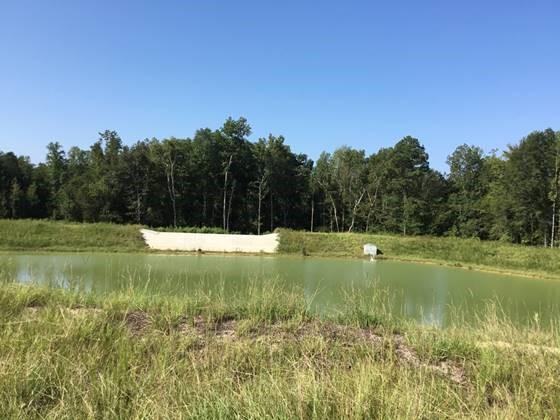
226,329
82,312
137,322
31,311
405,353
200,327
335,333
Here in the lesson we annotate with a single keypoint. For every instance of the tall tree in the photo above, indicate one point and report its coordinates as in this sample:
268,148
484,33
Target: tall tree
325,177
17,200
261,177
137,174
529,173
466,166
56,164
554,190
407,168
237,164
220,178
349,167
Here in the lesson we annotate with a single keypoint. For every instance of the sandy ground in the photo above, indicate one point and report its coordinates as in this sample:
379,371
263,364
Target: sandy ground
211,242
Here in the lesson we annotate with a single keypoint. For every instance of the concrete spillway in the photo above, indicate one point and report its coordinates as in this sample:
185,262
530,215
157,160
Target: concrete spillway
211,242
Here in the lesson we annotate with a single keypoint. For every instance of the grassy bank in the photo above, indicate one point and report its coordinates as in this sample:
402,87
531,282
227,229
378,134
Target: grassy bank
259,354
467,253
46,235
39,235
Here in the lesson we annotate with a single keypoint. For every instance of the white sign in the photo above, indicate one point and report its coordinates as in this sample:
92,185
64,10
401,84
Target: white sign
370,249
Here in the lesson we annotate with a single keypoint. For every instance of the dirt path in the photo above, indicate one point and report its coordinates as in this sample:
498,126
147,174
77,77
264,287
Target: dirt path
210,242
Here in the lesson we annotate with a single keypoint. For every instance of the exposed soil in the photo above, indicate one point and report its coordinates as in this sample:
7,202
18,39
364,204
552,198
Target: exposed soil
200,327
452,370
81,311
137,322
341,334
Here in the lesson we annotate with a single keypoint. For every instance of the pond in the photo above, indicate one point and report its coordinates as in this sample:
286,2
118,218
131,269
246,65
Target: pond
430,294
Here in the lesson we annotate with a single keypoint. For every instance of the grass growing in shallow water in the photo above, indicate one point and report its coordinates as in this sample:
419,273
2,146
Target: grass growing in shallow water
260,354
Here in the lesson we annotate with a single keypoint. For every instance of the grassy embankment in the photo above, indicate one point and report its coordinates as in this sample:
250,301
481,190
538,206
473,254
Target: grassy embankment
457,252
48,235
36,235
261,353
45,235
258,354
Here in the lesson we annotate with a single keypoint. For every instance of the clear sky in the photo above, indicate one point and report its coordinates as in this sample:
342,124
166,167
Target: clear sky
323,74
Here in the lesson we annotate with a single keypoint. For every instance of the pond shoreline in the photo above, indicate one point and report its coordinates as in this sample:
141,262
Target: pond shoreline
423,292
33,236
454,265
133,355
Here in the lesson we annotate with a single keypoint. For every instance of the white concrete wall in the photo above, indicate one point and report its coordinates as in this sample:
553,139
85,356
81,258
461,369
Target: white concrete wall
212,242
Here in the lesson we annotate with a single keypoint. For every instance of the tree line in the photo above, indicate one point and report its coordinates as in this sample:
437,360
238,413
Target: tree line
218,178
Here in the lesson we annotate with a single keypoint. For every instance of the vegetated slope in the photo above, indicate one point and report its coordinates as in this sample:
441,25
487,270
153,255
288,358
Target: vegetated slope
459,252
260,354
29,235
43,235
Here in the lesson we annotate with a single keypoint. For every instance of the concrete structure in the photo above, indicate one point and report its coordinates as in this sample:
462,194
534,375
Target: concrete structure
371,250
210,242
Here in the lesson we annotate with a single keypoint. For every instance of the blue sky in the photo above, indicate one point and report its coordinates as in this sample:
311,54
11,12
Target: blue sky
323,74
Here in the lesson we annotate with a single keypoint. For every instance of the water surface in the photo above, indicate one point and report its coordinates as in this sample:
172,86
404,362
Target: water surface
428,293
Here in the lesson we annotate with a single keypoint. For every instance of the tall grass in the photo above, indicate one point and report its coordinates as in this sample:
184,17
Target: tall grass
260,354
468,253
45,235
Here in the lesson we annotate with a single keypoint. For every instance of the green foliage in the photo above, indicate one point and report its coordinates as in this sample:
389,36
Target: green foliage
529,174
221,179
467,165
187,229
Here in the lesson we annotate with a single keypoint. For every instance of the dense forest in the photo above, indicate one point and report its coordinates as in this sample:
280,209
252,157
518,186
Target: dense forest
221,179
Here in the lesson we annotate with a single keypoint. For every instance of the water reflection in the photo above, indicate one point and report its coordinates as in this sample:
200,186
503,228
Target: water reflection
430,294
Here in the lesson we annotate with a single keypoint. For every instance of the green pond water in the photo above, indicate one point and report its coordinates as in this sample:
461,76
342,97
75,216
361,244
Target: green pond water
428,293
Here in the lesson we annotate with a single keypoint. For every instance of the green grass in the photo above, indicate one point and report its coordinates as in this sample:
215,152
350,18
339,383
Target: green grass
194,229
46,235
467,253
260,354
